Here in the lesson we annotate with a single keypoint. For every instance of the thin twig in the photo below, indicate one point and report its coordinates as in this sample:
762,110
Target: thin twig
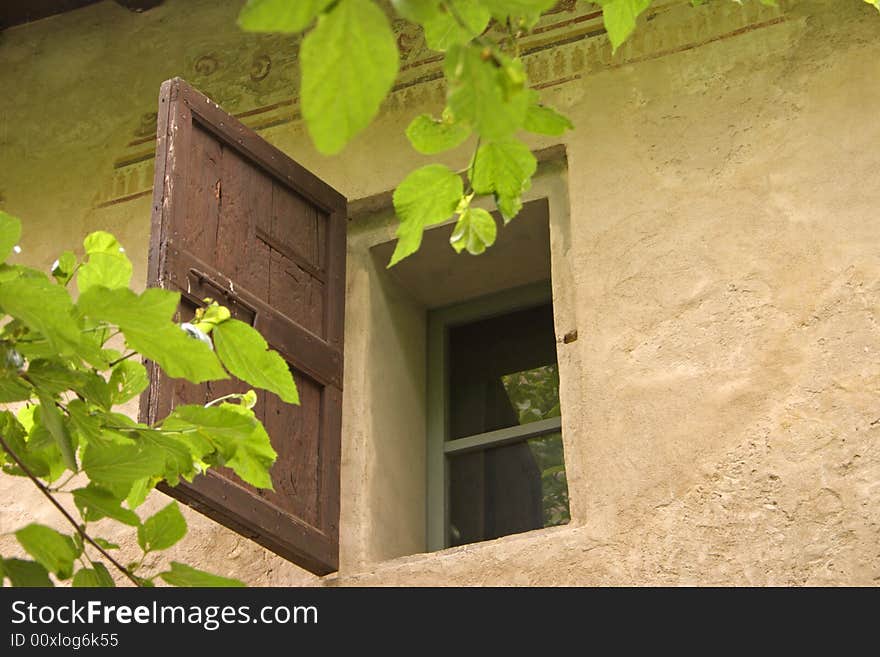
470,181
57,488
70,518
224,398
122,358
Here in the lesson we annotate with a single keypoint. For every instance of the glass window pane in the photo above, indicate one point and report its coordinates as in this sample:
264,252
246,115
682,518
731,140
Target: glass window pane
506,490
502,372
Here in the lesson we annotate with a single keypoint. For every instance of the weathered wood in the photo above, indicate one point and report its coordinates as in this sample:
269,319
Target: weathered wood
236,220
246,141
314,355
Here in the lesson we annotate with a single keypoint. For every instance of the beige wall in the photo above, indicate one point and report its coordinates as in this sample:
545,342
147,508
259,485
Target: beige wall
718,256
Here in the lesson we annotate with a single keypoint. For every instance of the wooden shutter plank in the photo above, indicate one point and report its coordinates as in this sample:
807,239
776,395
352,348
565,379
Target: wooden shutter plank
336,227
264,523
248,194
296,239
297,482
294,175
312,354
236,220
201,221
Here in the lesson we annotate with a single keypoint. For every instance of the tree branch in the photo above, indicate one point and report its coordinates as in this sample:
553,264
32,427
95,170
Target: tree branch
70,518
121,358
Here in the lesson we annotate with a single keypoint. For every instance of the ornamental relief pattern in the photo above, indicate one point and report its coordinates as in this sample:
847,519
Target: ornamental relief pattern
258,82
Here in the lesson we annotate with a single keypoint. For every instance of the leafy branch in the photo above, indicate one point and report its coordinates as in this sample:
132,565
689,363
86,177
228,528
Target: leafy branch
349,62
45,491
60,383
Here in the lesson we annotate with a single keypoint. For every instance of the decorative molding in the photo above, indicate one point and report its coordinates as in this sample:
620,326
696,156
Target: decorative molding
567,45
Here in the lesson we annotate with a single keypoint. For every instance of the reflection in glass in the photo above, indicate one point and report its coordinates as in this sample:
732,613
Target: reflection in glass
534,394
502,372
507,490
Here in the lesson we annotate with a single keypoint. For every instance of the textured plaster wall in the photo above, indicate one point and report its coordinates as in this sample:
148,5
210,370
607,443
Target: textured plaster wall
719,257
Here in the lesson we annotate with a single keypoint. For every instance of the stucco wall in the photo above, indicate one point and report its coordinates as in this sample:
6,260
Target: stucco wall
718,257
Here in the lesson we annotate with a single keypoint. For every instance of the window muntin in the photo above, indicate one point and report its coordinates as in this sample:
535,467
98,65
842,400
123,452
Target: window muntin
501,465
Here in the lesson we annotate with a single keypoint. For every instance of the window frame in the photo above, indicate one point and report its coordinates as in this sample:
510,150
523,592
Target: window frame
440,321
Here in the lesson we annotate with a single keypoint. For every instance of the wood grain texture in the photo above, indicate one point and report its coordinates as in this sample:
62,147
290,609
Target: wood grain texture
236,220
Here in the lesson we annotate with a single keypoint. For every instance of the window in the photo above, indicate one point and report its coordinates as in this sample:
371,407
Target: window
495,455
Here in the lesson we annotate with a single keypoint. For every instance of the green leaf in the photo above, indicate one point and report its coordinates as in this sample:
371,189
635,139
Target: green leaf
95,577
178,459
104,543
417,11
95,503
254,456
139,491
104,576
348,63
474,231
234,432
246,355
503,168
117,466
279,15
106,265
488,92
183,575
145,320
77,544
248,399
427,196
443,29
874,3
53,377
162,530
12,388
25,415
54,422
45,308
428,135
207,428
26,573
127,380
52,550
620,17
210,316
63,268
85,425
545,120
42,462
529,11
93,387
10,233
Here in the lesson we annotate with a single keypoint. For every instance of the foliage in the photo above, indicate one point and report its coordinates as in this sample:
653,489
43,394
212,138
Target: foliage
60,367
535,396
348,66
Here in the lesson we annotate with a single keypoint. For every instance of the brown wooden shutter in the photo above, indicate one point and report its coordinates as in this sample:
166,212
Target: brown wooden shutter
237,220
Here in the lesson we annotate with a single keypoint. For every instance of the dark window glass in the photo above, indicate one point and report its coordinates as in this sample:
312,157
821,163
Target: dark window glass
503,373
506,490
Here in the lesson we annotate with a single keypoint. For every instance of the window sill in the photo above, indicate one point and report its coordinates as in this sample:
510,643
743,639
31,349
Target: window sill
461,565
